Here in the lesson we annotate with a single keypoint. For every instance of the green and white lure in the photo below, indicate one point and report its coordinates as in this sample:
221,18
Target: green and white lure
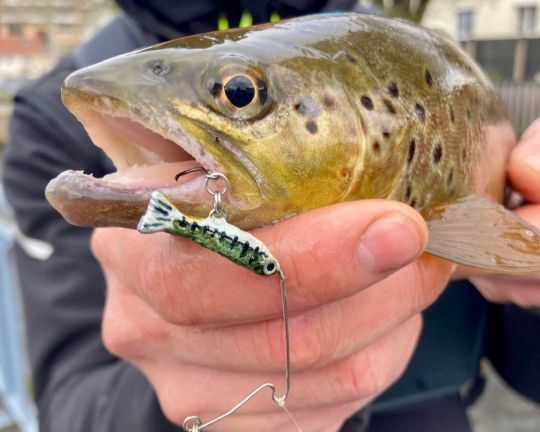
216,234
213,232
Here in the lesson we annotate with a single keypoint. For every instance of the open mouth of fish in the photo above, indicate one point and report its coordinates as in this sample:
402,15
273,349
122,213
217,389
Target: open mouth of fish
149,149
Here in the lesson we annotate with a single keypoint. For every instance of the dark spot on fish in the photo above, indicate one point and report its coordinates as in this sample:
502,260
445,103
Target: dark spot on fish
437,153
215,138
344,172
328,101
194,226
385,134
311,126
234,240
216,88
367,102
464,154
468,114
376,146
389,106
308,107
420,111
428,77
350,57
413,203
393,89
183,222
452,117
408,193
412,149
193,104
450,177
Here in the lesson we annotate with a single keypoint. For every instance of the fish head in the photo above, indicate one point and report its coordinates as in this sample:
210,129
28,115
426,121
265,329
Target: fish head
272,116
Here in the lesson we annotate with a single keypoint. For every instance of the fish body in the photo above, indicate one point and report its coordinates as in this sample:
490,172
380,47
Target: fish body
302,114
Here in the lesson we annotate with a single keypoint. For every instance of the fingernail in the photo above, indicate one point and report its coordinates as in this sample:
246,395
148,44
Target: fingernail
388,244
534,163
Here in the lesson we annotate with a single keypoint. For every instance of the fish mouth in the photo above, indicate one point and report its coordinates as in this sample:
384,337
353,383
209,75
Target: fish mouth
148,148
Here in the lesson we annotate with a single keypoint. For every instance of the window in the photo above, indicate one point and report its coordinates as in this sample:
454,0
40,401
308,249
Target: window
465,21
526,19
15,29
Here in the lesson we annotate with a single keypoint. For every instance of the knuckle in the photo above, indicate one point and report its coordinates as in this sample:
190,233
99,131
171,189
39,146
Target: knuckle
429,276
306,347
117,338
307,344
171,289
356,379
99,245
157,286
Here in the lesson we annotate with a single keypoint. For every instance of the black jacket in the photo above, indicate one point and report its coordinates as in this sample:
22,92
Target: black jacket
79,386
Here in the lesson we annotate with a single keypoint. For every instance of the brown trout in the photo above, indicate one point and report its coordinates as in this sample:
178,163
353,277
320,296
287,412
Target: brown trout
298,115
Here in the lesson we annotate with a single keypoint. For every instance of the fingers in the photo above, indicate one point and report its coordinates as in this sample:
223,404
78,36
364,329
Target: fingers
524,167
307,419
318,336
327,254
190,390
523,292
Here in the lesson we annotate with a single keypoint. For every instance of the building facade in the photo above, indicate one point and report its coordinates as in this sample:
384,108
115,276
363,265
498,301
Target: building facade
35,33
502,35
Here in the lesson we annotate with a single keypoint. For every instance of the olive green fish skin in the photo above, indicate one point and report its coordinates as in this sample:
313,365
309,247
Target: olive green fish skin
353,107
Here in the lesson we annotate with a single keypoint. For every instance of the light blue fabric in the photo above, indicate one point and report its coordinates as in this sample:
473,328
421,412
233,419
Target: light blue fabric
14,391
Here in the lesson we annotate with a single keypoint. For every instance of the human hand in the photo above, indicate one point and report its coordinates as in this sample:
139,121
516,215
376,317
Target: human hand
206,332
524,175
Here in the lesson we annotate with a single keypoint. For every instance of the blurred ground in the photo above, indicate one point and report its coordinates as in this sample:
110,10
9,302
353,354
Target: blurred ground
502,410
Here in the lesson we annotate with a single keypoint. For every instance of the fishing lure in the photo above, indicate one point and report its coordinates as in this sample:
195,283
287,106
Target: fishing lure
216,234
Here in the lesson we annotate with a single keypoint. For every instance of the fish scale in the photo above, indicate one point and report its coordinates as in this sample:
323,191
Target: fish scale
343,107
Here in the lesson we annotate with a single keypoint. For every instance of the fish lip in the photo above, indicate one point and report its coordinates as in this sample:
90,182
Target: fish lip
86,102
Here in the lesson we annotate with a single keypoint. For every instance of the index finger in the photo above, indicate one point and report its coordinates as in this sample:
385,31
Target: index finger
326,255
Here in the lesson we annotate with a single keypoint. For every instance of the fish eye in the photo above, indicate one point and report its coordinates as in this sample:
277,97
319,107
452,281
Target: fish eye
240,91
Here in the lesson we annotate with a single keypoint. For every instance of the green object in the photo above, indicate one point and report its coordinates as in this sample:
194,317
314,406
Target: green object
223,22
213,232
245,20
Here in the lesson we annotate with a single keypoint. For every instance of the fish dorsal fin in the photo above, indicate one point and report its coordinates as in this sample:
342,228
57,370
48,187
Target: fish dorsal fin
480,233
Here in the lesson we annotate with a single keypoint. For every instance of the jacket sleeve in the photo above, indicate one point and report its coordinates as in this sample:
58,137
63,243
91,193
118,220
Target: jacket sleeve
78,385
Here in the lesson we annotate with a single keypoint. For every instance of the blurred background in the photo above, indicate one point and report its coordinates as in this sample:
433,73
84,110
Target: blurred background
502,35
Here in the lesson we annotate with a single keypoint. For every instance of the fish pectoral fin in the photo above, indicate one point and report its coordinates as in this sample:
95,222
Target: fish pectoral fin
480,233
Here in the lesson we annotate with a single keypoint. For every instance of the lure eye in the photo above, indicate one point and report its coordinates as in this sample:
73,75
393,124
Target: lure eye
240,91
270,267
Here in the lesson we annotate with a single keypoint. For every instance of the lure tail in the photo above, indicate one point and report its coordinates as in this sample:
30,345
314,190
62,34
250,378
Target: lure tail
159,215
